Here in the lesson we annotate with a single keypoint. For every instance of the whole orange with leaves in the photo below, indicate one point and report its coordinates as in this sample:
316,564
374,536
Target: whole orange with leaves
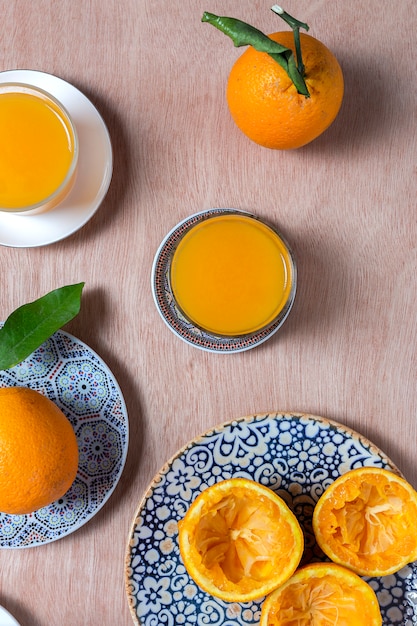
266,105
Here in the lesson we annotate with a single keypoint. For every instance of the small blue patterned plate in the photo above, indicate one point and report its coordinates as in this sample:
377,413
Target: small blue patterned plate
68,372
297,456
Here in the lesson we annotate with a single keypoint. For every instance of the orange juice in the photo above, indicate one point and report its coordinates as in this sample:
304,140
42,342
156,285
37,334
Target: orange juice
231,274
37,148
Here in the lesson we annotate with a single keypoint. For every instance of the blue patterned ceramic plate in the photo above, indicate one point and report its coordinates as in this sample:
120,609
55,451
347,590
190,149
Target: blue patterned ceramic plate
77,380
297,456
172,315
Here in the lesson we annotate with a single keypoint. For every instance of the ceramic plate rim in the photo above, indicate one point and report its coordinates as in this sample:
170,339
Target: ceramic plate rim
80,523
346,430
223,425
188,332
63,221
10,620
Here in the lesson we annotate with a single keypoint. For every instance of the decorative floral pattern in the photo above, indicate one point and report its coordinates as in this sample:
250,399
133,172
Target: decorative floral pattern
172,315
77,380
297,456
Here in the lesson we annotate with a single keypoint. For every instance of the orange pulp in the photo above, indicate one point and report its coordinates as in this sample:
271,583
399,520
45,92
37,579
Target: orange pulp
36,149
231,274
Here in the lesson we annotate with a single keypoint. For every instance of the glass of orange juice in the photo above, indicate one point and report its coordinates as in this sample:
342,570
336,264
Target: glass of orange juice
224,280
38,150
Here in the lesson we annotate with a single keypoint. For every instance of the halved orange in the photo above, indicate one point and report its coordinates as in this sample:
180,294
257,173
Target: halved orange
367,520
322,594
239,540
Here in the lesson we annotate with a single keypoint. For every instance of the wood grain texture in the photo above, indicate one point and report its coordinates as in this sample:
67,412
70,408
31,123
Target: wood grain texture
347,204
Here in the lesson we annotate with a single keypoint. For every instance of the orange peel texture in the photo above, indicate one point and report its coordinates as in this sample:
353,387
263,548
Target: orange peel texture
265,104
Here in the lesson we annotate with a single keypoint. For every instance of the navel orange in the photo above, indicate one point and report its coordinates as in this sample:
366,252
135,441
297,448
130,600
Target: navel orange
38,451
322,594
265,104
239,540
282,97
367,520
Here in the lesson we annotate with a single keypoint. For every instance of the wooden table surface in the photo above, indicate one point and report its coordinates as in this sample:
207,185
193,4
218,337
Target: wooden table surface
346,202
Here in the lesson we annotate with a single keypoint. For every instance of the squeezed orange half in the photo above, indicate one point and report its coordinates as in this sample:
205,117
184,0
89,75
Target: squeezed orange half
366,520
37,148
232,274
239,540
322,594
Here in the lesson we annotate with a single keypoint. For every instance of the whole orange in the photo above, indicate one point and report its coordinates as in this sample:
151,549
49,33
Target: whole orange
265,104
38,451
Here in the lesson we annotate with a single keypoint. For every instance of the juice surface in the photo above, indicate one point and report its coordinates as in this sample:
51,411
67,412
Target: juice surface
231,275
36,149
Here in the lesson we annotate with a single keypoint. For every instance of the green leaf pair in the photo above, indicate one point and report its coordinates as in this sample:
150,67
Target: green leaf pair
243,34
31,324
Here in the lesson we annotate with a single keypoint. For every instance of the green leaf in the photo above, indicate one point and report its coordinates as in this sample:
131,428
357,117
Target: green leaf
29,326
243,34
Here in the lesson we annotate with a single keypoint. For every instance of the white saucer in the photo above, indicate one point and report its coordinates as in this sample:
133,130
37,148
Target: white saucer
94,172
6,619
